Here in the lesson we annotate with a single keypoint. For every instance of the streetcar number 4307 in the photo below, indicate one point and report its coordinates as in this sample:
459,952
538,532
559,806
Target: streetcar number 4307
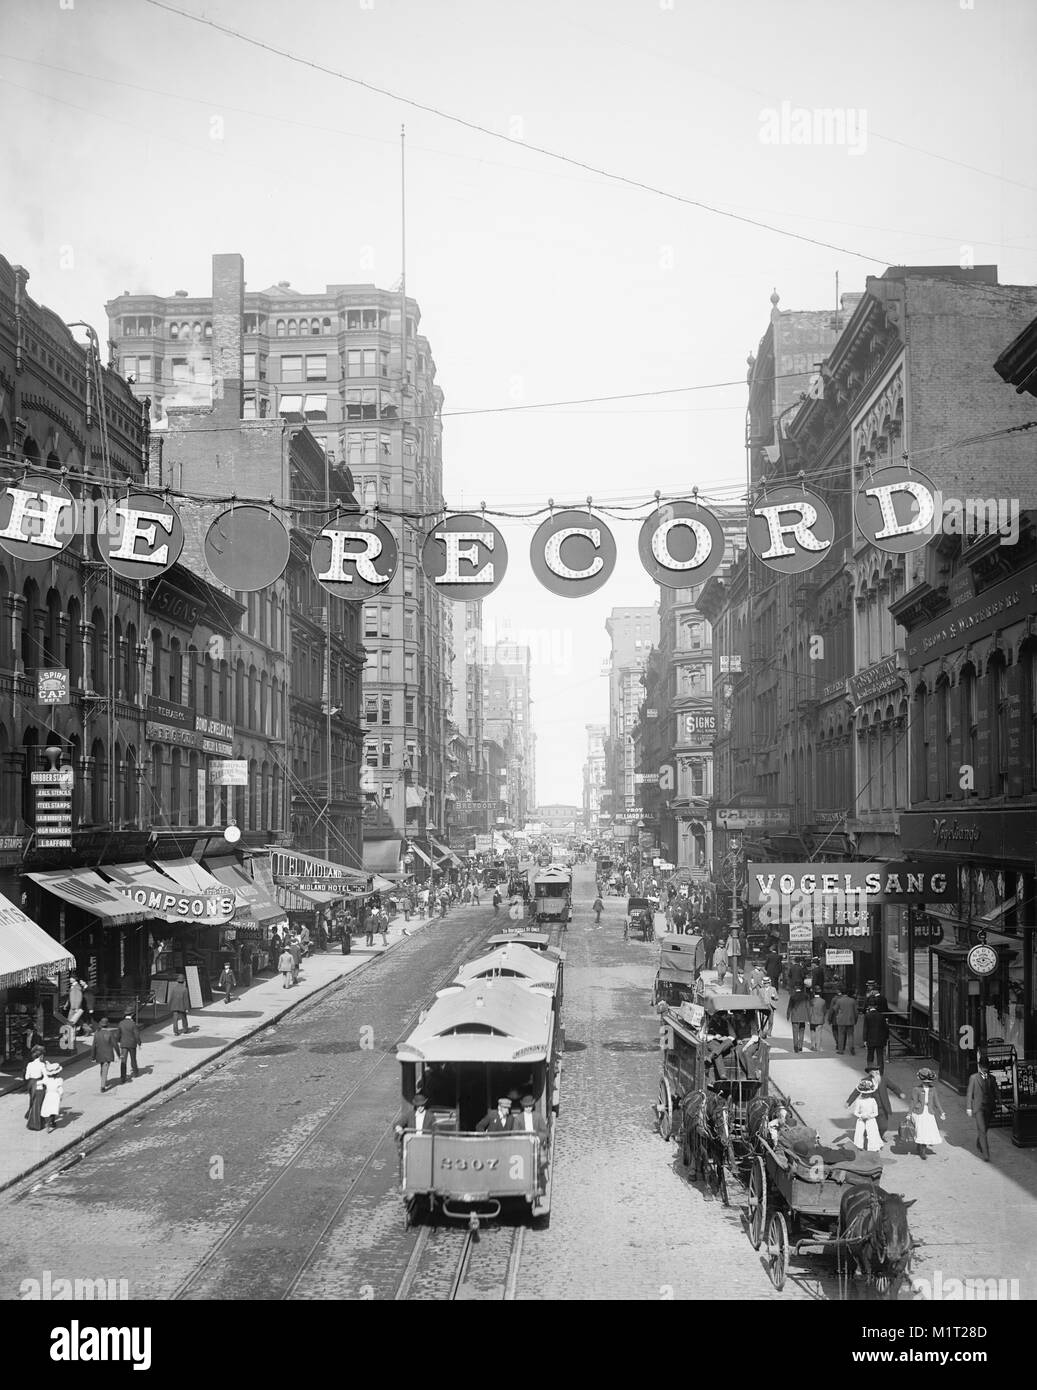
477,1165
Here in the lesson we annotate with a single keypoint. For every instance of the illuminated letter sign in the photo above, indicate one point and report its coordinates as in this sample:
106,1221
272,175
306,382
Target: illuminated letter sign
810,524
344,561
888,527
141,537
38,518
573,554
465,557
681,544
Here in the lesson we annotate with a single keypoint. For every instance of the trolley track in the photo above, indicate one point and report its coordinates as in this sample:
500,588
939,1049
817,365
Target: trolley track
460,1265
248,1238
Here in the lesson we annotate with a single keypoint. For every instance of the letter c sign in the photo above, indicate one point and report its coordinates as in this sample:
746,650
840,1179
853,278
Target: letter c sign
573,553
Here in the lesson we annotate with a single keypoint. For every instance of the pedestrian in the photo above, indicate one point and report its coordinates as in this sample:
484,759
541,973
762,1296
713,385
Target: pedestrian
843,1018
880,1094
286,965
227,982
720,957
475,895
295,951
865,1110
75,1002
817,975
89,1001
496,1121
817,1018
799,1012
772,965
980,1101
105,1047
927,1111
53,1088
876,1035
407,908
383,926
442,905
35,1084
129,1040
794,974
496,901
179,1001
597,907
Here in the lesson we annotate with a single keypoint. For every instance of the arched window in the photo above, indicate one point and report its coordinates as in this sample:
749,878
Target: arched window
252,705
176,671
254,792
73,640
174,331
997,703
155,813
29,650
156,663
239,693
315,327
116,656
30,450
98,788
223,690
129,683
275,708
7,784
207,679
240,806
96,676
132,787
52,460
194,766
264,703
5,626
52,652
275,800
920,752
196,330
292,328
175,786
192,681
944,747
207,330
280,328
968,713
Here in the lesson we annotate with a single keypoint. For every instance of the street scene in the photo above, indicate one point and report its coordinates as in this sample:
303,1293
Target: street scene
518,659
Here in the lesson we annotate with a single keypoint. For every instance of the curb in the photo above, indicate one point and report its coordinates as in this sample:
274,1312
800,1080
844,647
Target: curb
78,1143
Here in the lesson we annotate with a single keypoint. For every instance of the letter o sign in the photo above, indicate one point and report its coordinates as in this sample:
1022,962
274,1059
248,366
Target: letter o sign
681,544
573,554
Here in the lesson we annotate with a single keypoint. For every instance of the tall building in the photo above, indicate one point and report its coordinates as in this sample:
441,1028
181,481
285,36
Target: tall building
633,633
508,722
469,813
594,776
351,366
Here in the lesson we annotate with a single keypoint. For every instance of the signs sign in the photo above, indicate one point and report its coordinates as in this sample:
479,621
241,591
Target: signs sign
39,518
993,609
1001,835
52,687
876,680
465,557
753,817
877,882
53,797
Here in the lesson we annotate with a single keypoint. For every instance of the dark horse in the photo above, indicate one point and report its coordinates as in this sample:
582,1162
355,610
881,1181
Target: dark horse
706,1138
873,1222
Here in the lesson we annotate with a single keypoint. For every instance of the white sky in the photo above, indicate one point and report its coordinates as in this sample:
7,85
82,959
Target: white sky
537,281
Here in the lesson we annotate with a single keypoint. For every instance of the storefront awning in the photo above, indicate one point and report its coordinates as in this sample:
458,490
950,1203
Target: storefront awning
84,889
190,874
263,911
195,906
421,853
443,852
414,798
27,953
382,856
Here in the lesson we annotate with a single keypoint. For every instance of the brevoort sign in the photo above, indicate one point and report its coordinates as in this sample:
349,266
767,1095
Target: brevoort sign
213,908
876,882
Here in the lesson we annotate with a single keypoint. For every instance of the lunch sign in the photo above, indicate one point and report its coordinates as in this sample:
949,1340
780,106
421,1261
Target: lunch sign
140,536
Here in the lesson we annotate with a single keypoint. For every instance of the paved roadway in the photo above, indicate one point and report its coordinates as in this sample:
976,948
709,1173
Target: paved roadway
189,1195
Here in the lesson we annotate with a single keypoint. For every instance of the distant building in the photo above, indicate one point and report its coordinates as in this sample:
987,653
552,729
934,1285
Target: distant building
594,772
508,722
633,633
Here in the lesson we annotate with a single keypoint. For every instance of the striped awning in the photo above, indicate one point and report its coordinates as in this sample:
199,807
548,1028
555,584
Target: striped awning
27,953
84,889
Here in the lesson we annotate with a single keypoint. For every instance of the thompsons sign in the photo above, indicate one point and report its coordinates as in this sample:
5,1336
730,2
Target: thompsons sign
875,883
212,908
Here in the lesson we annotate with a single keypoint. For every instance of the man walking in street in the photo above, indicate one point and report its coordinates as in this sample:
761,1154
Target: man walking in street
179,1001
129,1040
980,1099
597,907
286,965
876,1035
496,901
105,1047
383,926
843,1018
227,982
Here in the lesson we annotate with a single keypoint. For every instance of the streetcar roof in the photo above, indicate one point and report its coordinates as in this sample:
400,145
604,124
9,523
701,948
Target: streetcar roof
497,1020
516,958
538,941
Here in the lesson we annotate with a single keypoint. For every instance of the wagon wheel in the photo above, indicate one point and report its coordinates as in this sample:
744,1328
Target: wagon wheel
777,1249
665,1109
757,1202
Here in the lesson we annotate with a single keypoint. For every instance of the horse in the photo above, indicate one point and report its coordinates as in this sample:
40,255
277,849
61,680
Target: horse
706,1138
878,1244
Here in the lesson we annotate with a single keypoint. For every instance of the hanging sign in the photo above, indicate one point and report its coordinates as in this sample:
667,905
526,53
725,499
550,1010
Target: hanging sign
141,536
681,544
896,510
355,557
52,687
39,518
214,908
246,547
573,554
791,530
465,557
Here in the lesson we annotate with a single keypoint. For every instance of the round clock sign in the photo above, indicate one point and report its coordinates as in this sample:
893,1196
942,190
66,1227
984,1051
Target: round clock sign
982,960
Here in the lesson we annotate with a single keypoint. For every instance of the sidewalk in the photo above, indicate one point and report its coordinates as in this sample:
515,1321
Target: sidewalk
165,1059
973,1219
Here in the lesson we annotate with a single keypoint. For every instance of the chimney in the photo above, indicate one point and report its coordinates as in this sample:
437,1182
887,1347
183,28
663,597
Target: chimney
228,309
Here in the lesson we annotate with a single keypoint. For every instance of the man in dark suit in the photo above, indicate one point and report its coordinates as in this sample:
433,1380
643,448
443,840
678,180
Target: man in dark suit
527,1121
105,1047
496,1121
129,1040
418,1119
179,1000
980,1099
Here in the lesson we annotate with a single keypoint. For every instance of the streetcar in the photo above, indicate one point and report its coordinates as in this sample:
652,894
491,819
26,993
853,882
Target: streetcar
480,1040
552,894
539,970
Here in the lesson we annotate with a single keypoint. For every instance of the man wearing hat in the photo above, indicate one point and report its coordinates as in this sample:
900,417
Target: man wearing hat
527,1121
419,1120
129,1040
496,1121
980,1100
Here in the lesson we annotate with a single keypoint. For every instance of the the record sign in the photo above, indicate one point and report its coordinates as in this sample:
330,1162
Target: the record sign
790,529
896,510
681,544
465,557
355,557
39,517
141,536
573,553
246,547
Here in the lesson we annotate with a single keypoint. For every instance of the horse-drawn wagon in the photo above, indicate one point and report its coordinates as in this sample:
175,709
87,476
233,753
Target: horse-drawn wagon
809,1199
681,958
640,919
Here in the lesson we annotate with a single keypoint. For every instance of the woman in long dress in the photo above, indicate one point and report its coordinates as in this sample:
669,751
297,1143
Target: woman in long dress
927,1110
35,1082
866,1110
54,1086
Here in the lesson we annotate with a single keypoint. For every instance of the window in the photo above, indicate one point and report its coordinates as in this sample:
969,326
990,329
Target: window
408,709
248,406
386,709
386,620
291,369
410,625
385,666
386,755
317,409
293,328
387,789
364,318
944,750
408,666
998,678
408,581
370,620
383,361
967,686
371,754
361,362
316,367
137,367
371,709
180,370
280,328
249,360
289,405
